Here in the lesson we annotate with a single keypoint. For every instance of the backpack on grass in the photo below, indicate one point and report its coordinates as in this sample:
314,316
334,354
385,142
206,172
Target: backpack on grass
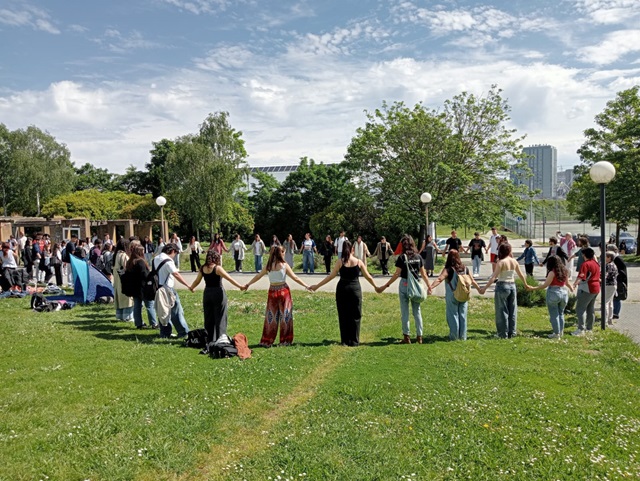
196,339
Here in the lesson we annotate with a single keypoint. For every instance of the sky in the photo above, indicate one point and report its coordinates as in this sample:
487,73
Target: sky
108,78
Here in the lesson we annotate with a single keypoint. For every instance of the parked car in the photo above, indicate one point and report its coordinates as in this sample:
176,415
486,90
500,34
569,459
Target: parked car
630,242
441,243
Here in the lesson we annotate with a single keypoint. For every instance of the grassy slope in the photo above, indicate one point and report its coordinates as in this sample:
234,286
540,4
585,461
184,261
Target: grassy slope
83,397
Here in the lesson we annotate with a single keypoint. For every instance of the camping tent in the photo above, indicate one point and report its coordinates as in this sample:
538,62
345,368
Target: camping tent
89,283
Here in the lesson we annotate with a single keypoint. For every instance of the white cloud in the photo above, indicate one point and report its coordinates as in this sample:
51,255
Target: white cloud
614,46
198,7
28,16
609,12
117,42
225,57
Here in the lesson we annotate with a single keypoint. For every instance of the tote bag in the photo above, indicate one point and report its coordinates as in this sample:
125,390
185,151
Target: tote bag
416,289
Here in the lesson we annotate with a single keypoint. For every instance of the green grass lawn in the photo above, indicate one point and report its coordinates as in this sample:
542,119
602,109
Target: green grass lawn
85,397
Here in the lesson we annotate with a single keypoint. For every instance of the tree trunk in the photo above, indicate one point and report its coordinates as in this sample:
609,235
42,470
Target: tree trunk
38,201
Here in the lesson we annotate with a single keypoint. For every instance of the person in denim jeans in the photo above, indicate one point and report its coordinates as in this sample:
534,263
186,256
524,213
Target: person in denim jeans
505,298
456,310
529,256
413,267
167,275
308,248
586,297
557,295
140,269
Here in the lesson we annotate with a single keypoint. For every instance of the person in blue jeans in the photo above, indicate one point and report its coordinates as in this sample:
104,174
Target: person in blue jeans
456,310
167,275
505,297
308,248
140,269
529,256
408,264
556,284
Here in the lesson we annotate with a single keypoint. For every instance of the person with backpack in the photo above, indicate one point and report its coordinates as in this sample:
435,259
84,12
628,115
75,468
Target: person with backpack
556,283
505,297
123,303
214,297
138,269
279,304
348,293
409,263
95,252
457,293
169,313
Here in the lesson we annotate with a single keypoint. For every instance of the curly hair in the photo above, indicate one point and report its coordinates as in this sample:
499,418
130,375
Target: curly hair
557,266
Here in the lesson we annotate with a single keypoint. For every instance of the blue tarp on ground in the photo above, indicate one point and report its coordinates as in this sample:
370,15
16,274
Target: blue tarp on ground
88,283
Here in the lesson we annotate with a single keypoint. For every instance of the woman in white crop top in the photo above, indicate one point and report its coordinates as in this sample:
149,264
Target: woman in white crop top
279,303
505,297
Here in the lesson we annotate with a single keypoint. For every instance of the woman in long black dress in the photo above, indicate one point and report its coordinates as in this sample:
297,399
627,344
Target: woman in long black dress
214,298
348,294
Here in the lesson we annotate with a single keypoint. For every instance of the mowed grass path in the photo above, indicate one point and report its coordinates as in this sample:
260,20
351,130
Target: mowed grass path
84,397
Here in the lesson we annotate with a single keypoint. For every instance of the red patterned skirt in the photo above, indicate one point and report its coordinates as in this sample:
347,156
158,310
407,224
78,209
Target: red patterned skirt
279,312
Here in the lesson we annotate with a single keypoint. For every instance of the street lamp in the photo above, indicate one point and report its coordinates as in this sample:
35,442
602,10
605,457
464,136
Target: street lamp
425,198
161,201
602,173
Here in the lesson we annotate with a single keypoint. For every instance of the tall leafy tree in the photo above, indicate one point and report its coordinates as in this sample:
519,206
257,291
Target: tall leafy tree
616,138
89,176
205,171
461,154
156,175
45,169
6,167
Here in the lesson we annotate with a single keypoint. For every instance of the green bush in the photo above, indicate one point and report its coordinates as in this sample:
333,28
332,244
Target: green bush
530,298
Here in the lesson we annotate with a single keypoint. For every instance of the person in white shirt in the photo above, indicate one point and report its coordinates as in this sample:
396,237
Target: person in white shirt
258,248
176,240
238,247
494,241
308,248
8,262
194,254
167,275
22,241
159,247
361,251
338,244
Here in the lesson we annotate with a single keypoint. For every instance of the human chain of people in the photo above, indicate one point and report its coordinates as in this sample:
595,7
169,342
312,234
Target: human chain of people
414,267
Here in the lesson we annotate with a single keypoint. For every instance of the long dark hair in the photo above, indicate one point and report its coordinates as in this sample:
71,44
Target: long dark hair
560,271
408,245
346,251
453,261
212,259
137,255
276,256
122,245
504,251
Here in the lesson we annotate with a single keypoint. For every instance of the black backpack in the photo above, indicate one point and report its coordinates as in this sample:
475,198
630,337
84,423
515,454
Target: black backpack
152,282
220,351
196,339
40,303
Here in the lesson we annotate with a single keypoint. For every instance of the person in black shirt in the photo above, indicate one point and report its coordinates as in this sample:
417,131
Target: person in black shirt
476,246
453,243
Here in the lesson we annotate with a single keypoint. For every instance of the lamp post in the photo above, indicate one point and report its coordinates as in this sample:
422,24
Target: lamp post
602,173
425,198
161,201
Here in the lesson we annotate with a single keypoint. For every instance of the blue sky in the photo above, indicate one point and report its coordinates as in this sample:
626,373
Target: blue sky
109,78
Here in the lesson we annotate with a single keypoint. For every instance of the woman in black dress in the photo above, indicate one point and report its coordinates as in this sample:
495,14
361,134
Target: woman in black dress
348,294
214,298
327,252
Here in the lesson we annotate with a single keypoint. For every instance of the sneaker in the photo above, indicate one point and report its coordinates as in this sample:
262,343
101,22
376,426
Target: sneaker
554,336
578,332
475,276
615,316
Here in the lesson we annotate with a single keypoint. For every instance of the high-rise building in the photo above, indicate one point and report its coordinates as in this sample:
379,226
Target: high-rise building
543,162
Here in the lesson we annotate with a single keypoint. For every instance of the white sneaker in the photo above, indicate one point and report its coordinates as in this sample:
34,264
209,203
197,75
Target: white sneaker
578,332
554,336
475,276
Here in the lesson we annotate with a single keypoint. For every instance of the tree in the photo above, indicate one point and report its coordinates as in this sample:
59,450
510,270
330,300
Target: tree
615,139
134,181
156,175
90,177
262,201
44,169
205,170
462,155
6,167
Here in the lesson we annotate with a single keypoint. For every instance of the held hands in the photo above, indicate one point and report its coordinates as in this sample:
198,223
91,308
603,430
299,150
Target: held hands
482,290
245,287
380,289
311,288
